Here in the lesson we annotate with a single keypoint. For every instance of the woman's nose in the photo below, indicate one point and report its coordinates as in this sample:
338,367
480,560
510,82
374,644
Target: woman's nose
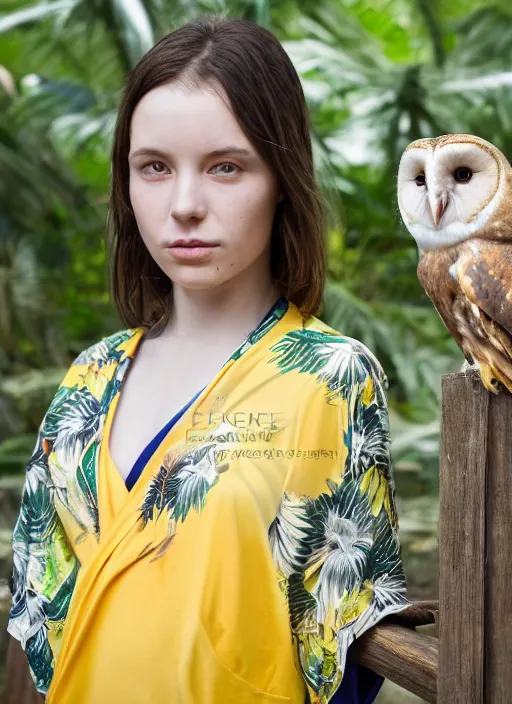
187,198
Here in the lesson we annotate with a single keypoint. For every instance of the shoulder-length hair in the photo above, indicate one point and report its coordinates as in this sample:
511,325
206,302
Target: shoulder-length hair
267,99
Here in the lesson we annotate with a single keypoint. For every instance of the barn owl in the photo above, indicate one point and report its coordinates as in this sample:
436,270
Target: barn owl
455,198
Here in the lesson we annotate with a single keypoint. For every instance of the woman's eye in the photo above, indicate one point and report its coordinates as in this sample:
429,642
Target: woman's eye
229,164
462,174
158,168
420,180
155,168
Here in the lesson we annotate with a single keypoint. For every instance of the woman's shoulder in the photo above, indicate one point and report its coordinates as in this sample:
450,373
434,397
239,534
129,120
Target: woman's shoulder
101,356
108,347
342,348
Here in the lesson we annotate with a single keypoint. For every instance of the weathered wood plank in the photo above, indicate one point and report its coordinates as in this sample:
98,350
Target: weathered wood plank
498,569
19,687
403,656
462,468
419,613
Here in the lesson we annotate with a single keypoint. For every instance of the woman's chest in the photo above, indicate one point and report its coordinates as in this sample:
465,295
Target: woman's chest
151,395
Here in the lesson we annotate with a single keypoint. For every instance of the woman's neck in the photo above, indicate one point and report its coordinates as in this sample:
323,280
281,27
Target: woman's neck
200,316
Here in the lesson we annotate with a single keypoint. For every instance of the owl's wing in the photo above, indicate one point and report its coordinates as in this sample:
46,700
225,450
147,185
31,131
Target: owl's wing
483,309
483,271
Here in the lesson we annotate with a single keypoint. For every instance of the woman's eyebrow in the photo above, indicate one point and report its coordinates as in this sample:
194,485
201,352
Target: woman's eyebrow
225,151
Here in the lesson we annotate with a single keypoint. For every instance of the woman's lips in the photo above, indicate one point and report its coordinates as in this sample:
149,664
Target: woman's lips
188,253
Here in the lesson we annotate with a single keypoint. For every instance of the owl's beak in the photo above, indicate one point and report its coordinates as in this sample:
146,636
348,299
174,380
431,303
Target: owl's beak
438,207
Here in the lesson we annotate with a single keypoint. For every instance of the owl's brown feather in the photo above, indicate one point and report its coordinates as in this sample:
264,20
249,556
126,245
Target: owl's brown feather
484,273
470,285
433,274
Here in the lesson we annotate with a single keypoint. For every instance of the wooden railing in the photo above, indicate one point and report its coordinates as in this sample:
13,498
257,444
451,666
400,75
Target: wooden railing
471,660
395,650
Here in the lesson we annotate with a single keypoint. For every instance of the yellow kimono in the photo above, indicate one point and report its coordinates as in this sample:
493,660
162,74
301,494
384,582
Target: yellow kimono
258,542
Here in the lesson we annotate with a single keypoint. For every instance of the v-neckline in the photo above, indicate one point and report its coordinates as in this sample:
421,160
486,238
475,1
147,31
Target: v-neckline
273,316
153,445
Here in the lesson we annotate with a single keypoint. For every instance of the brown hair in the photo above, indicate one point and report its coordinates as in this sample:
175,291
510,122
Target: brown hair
266,96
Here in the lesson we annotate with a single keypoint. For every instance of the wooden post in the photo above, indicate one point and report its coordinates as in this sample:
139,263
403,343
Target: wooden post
498,554
19,687
475,544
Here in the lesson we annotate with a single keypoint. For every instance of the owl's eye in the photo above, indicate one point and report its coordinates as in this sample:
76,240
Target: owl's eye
463,174
420,180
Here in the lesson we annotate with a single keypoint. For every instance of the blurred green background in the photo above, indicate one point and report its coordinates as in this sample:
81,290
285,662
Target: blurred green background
376,73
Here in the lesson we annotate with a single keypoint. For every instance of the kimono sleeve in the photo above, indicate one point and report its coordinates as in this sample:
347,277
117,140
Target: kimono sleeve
44,566
337,552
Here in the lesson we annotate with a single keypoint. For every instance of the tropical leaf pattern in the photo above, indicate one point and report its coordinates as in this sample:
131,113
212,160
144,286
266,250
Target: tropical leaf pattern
341,363
62,469
182,484
338,555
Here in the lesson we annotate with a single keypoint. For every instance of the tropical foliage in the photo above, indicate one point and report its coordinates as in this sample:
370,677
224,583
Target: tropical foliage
376,75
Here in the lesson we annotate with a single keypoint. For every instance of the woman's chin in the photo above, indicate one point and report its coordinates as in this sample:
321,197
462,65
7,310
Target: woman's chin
199,279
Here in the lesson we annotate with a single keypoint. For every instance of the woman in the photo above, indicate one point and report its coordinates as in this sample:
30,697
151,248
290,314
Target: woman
232,553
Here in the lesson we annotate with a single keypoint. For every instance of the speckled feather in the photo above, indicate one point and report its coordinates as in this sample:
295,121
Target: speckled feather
470,286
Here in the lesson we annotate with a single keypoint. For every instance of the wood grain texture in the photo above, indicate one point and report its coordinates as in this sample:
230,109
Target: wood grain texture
462,468
419,613
19,687
498,573
403,656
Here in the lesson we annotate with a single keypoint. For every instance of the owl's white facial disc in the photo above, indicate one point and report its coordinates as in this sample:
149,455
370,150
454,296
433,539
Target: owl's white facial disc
448,193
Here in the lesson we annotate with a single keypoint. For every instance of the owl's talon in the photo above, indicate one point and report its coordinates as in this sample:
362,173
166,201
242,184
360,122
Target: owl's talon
489,380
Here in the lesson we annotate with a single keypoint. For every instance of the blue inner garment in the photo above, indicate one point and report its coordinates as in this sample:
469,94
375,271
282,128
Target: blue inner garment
153,445
359,685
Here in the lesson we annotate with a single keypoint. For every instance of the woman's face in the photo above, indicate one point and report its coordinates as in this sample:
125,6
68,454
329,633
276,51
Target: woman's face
180,189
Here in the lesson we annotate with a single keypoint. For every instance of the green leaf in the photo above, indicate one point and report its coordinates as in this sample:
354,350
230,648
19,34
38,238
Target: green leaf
35,13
